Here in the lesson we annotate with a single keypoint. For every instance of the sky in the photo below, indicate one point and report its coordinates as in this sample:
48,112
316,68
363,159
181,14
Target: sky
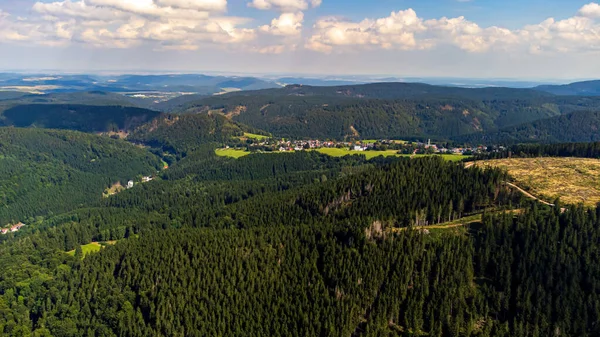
508,39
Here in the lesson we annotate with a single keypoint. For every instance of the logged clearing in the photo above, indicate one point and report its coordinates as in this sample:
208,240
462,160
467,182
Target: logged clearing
574,180
114,189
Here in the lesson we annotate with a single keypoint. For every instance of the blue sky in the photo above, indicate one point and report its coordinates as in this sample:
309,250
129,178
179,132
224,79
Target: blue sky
527,39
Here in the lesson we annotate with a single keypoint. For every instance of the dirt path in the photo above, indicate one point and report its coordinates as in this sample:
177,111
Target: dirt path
529,195
454,225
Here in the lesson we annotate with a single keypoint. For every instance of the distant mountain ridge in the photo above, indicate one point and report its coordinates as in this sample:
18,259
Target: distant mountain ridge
585,88
190,83
386,110
395,90
376,110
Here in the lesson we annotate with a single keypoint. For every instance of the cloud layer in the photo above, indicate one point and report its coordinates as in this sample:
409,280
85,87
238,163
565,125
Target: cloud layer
404,30
205,24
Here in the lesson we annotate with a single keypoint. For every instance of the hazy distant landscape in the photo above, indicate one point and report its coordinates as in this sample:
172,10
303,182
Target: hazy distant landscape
299,168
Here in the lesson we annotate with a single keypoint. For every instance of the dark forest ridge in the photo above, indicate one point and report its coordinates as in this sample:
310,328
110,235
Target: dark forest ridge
367,111
393,110
585,88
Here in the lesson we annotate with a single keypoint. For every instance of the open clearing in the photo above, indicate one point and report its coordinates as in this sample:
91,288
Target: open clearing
114,189
87,249
92,247
255,136
337,152
231,153
574,180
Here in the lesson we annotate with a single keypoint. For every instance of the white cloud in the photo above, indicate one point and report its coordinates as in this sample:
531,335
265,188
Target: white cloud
201,5
396,31
288,24
202,24
284,5
77,9
404,30
591,10
276,49
169,24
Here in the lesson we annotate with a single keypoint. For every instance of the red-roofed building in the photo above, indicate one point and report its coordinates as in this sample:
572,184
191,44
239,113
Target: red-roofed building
15,228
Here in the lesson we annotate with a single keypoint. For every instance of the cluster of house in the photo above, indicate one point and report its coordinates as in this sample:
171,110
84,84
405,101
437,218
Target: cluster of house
299,145
144,180
12,229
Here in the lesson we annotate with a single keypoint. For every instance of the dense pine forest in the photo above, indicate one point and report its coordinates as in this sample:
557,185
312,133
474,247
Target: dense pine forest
86,118
47,172
406,110
290,244
303,244
581,150
380,110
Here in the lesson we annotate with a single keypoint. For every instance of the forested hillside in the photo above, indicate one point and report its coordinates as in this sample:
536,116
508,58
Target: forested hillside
381,110
307,245
585,88
298,243
46,172
580,126
180,134
397,91
86,118
389,110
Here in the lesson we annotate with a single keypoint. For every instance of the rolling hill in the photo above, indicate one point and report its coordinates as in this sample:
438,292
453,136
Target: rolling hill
580,126
396,90
585,88
50,171
192,83
86,118
387,110
181,134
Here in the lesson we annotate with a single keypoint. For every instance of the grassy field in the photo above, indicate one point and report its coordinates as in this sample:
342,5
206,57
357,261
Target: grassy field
248,135
335,152
92,247
448,157
574,180
88,249
231,153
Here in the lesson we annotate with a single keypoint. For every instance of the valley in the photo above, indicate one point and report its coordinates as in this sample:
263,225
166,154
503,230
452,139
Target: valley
369,210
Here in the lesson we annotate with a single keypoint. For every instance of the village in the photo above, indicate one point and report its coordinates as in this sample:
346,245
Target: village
403,147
